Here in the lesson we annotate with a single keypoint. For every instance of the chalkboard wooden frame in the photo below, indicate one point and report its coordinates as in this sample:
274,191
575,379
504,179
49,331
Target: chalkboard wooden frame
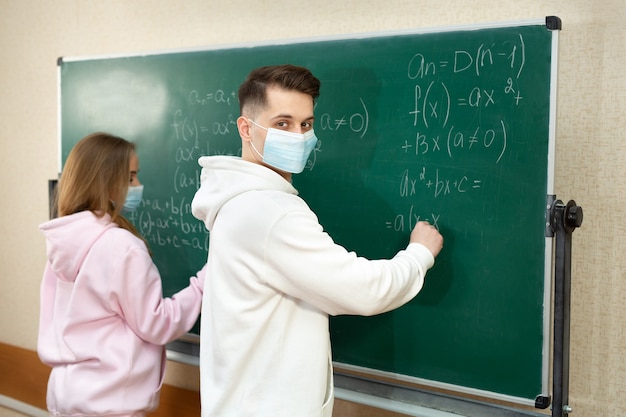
78,101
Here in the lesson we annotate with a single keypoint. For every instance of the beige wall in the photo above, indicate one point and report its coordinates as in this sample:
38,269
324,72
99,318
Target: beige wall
591,143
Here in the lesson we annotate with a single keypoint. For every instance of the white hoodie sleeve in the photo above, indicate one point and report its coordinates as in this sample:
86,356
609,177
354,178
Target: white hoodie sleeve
304,262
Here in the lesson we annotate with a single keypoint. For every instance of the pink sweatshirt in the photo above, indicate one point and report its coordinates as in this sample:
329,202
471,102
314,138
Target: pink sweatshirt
103,319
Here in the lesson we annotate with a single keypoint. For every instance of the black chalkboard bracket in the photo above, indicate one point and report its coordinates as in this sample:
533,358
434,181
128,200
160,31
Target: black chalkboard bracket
550,200
553,22
542,402
52,186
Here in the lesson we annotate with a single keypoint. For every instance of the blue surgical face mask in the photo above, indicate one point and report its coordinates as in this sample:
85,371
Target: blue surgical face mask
285,150
133,198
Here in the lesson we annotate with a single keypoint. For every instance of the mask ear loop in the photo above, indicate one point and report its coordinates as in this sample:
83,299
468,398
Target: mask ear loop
256,124
252,144
255,150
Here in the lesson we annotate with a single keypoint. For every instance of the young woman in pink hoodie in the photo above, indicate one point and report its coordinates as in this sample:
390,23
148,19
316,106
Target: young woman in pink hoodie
103,319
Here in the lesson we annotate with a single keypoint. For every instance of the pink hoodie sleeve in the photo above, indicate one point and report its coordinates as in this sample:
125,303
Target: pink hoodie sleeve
140,299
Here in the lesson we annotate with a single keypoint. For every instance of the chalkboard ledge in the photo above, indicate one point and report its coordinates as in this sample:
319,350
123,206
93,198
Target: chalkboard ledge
399,399
185,350
413,402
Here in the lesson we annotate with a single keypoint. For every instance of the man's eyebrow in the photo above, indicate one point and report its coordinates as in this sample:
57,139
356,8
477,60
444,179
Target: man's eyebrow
283,116
289,116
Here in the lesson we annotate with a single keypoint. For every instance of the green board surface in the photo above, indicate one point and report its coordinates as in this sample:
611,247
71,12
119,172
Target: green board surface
449,126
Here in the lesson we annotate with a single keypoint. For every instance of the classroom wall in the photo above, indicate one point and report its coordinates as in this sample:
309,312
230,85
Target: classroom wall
590,152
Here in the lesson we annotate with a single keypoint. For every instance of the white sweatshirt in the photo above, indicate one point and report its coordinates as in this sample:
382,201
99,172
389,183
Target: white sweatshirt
275,278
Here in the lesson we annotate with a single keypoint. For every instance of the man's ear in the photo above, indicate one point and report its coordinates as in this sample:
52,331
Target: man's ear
243,125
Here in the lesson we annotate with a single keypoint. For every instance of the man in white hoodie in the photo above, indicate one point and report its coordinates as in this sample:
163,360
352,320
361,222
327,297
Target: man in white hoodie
276,276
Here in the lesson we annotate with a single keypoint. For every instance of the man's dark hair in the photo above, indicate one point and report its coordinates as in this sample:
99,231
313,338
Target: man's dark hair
252,93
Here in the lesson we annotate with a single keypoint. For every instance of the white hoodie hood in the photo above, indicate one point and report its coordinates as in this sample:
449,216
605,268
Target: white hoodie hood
225,177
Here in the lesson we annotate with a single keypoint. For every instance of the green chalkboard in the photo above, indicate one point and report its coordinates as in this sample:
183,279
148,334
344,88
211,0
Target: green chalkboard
453,126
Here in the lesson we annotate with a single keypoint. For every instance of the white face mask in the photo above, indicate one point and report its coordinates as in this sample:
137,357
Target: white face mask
285,150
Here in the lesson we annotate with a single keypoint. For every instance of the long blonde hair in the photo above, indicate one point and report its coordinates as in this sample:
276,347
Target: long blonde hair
96,177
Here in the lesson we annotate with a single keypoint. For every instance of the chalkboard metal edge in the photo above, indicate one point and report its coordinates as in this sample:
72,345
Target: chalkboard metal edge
554,24
550,198
59,119
420,403
319,38
391,397
554,68
379,377
350,380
